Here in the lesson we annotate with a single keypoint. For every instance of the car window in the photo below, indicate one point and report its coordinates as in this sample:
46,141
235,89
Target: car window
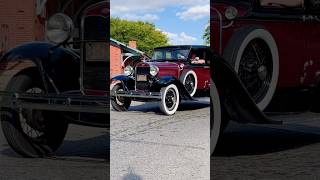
157,55
199,57
170,54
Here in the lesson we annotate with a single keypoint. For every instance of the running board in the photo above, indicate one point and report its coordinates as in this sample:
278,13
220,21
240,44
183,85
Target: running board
56,102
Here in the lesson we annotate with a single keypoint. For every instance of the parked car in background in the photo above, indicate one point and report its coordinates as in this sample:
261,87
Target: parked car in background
63,80
174,73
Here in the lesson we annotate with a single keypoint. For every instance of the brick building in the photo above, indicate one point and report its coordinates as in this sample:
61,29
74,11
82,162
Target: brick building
23,20
118,54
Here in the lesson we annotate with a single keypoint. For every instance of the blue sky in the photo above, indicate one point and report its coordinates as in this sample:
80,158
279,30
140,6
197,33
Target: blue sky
183,21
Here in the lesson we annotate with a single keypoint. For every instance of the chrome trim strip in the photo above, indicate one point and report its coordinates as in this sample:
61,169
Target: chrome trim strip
220,29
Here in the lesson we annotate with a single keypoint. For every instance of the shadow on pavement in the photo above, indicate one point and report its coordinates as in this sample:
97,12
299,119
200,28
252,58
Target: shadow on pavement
258,140
184,106
97,149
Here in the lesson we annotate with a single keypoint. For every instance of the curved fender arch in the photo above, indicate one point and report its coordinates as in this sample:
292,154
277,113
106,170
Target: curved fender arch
234,97
61,65
166,81
127,81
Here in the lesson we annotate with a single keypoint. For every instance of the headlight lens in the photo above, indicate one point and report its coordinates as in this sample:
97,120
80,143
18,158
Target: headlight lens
59,28
231,13
154,70
128,70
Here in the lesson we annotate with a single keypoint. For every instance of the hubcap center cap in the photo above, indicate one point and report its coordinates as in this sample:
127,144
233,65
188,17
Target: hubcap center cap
262,72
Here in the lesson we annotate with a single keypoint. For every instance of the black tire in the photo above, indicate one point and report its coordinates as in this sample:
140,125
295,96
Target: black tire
120,103
49,128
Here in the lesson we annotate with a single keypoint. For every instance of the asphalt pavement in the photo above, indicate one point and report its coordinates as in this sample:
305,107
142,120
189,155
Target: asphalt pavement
288,151
146,144
82,156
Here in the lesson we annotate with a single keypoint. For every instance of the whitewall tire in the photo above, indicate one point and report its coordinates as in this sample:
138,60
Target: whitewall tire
170,99
190,81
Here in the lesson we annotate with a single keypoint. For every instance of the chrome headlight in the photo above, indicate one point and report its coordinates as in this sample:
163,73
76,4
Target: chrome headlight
128,70
154,70
59,28
231,13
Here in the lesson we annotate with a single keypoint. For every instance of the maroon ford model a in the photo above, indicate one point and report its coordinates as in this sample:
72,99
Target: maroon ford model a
173,74
52,84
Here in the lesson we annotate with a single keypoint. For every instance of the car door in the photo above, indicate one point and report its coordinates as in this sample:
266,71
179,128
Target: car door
312,39
283,19
202,70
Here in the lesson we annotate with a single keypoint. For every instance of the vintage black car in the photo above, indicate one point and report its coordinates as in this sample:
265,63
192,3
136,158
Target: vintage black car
63,80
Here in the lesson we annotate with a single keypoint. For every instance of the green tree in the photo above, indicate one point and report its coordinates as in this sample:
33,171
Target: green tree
206,35
146,34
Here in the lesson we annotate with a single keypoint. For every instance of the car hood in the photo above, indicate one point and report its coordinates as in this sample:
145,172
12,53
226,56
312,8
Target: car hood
165,68
160,65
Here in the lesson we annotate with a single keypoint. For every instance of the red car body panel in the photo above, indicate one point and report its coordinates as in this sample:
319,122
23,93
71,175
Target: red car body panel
297,41
177,69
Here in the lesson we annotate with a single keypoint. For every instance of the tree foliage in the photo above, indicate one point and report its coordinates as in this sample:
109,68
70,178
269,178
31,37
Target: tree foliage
206,35
146,34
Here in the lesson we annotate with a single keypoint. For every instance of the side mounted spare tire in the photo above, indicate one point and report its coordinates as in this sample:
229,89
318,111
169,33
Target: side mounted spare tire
253,53
190,81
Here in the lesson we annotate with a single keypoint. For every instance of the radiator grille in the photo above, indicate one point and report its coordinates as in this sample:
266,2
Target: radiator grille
143,85
143,70
96,71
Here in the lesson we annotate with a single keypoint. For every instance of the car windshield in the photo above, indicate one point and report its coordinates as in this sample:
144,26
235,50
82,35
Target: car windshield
170,54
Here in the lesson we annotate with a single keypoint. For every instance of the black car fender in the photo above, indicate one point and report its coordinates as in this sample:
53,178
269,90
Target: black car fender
235,99
166,81
127,81
58,66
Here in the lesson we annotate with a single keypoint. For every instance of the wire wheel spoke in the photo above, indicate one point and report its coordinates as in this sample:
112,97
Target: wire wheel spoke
170,99
190,84
31,121
255,69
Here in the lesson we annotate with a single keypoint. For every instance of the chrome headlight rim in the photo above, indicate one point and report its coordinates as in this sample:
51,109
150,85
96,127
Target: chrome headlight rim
154,70
59,28
128,71
231,13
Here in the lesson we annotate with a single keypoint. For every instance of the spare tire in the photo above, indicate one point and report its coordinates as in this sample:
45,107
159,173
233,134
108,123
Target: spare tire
190,81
